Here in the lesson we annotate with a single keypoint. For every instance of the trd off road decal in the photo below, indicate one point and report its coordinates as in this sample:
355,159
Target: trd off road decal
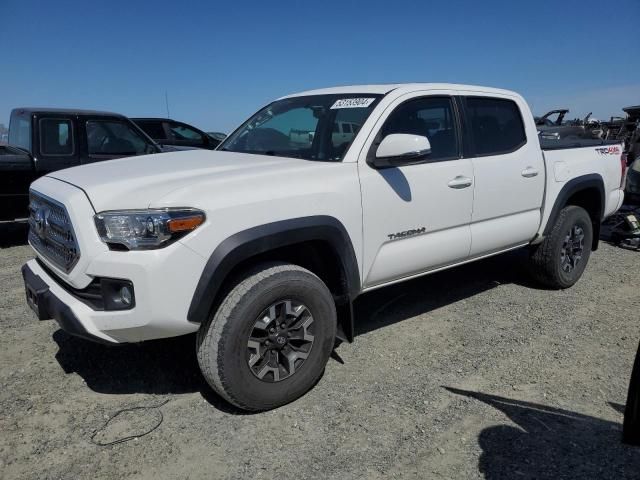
615,150
407,233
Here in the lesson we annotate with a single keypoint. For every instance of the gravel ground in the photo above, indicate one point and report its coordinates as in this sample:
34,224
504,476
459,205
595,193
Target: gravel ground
470,373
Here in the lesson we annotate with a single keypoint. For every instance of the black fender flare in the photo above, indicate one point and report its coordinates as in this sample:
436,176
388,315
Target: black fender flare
573,186
264,238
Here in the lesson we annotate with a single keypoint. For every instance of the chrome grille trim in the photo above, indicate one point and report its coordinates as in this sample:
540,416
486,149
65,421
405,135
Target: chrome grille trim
51,232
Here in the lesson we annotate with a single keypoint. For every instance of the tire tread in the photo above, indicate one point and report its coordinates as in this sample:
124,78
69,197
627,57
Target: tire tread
543,259
209,345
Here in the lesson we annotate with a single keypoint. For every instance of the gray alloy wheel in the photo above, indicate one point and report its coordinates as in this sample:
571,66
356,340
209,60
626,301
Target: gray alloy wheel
572,249
560,260
280,341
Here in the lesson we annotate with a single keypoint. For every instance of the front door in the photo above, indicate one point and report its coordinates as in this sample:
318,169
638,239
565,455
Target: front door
417,218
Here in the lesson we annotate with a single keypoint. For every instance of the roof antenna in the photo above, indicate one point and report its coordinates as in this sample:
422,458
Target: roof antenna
166,102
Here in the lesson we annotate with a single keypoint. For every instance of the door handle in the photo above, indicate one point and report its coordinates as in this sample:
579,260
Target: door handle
460,182
529,172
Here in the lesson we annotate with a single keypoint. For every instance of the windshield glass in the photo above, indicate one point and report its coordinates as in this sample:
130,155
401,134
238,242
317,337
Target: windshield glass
315,127
20,131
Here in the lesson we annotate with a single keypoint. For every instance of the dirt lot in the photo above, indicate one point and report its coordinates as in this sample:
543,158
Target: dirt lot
471,373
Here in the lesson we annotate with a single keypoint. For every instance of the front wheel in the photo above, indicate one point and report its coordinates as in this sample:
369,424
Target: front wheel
559,261
269,341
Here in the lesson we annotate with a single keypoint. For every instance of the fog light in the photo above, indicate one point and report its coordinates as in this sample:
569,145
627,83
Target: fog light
125,295
117,294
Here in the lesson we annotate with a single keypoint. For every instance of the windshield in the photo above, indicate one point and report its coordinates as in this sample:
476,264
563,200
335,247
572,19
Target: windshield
315,127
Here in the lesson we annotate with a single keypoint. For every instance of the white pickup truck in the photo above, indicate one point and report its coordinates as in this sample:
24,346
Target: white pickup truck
262,246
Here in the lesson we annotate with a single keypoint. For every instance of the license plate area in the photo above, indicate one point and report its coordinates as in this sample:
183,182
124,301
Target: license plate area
36,292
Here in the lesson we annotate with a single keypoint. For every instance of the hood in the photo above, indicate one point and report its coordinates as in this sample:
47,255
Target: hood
136,182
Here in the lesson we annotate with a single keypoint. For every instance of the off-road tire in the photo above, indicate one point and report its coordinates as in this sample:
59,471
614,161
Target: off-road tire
545,258
222,341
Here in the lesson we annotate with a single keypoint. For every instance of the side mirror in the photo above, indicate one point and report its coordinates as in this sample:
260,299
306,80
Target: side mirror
400,149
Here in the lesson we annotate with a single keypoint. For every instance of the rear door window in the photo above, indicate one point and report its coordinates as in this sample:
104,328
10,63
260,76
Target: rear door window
56,136
496,125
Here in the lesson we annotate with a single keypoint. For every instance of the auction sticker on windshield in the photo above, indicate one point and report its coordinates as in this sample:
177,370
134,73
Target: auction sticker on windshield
352,103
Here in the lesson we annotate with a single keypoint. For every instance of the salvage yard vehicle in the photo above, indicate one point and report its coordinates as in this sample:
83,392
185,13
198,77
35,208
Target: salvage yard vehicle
559,129
632,186
262,246
630,133
43,140
217,135
170,132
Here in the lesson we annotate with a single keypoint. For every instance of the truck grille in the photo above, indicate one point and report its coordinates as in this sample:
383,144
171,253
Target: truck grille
51,232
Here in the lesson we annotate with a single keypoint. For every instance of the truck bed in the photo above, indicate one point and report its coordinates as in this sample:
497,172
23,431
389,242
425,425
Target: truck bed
576,142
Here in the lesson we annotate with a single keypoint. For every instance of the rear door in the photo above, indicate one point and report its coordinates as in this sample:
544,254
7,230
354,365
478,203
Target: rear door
508,172
55,142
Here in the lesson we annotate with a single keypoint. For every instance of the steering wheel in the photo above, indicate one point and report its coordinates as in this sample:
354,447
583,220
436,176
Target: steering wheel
103,143
263,139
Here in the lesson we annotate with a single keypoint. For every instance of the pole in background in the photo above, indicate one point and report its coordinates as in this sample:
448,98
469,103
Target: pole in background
166,102
631,426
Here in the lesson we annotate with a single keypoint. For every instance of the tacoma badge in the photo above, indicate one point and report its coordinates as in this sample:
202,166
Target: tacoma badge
407,233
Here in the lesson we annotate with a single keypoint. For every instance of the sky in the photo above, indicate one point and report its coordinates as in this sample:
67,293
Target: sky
219,62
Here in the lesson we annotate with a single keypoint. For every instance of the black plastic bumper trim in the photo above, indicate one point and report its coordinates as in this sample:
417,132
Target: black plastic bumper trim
98,294
47,306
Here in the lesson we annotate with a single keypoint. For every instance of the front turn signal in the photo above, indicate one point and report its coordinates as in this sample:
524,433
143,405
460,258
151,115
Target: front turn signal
185,224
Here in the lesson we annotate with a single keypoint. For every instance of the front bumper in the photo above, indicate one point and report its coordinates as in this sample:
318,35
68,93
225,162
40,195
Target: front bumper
47,306
163,291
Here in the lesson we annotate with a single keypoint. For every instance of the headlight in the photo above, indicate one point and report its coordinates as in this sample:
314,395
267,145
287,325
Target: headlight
146,229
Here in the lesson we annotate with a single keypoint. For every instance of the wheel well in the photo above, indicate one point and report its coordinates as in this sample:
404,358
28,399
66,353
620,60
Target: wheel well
589,199
317,256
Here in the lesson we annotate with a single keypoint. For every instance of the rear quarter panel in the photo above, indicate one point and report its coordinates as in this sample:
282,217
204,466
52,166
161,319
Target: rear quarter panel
566,164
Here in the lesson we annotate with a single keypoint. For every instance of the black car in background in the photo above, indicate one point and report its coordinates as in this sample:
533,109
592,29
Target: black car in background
217,135
171,132
42,140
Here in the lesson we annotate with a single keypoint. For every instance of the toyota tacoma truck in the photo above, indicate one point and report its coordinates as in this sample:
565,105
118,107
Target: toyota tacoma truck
262,245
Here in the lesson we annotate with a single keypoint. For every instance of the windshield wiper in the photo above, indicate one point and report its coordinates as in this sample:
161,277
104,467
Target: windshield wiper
270,153
282,153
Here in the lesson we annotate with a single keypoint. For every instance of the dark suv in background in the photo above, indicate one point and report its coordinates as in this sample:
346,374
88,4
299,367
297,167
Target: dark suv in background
170,132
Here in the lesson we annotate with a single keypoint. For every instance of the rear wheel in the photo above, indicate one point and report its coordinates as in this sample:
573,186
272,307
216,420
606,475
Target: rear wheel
560,260
269,341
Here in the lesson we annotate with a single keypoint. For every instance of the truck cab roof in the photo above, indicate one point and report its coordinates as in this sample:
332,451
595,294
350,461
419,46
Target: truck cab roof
66,111
402,87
